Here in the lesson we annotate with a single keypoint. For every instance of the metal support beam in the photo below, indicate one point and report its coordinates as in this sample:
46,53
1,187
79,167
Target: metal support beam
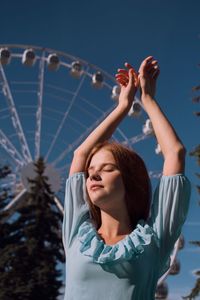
77,141
14,116
66,114
39,108
11,150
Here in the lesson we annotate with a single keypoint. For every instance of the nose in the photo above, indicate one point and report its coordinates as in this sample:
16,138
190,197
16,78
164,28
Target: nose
95,177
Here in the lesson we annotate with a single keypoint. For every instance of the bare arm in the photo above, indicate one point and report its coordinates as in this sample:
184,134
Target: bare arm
171,146
105,130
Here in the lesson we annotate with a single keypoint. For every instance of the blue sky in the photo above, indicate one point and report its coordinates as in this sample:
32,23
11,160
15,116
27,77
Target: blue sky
108,33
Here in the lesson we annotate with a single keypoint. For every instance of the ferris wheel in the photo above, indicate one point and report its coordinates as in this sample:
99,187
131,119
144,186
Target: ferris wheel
49,102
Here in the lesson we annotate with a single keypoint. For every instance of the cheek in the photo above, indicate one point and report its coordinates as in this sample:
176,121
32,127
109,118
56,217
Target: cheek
120,184
117,183
87,186
88,192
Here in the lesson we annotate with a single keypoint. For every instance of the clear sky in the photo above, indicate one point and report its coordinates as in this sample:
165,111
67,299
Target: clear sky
108,33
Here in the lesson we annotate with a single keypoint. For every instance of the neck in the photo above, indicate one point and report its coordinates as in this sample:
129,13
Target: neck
115,224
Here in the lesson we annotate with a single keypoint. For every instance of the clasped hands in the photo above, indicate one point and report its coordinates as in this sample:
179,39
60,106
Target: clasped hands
145,80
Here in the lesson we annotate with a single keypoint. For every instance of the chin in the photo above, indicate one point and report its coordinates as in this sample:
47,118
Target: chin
95,199
101,203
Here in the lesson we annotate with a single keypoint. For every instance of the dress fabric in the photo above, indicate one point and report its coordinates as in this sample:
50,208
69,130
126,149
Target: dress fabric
129,269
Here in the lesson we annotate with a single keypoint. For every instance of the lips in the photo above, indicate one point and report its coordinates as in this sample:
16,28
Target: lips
95,186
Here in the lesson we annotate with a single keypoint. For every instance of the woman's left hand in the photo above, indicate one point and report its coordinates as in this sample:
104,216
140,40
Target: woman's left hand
148,74
128,81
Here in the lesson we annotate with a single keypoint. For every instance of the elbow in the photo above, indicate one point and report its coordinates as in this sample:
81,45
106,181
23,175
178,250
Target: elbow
80,153
174,162
178,153
181,152
76,152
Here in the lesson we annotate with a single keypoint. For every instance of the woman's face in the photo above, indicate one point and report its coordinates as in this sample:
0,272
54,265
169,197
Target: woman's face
104,183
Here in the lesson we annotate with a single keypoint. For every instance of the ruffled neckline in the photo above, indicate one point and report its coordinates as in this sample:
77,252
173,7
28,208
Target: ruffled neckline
132,246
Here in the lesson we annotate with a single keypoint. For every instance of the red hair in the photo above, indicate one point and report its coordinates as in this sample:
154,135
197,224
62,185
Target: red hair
135,178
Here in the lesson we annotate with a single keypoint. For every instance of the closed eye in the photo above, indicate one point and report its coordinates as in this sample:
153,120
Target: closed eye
105,167
108,169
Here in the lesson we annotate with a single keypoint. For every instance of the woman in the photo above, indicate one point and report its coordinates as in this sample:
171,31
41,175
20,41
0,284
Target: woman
115,249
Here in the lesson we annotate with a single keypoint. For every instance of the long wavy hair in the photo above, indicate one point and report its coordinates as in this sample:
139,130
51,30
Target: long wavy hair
135,179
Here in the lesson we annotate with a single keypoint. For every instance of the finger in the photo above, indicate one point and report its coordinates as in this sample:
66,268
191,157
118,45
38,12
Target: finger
136,80
156,74
122,81
152,64
122,84
145,62
122,76
148,59
132,75
133,78
153,70
122,71
128,66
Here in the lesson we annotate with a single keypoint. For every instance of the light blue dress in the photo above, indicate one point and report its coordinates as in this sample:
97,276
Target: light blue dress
129,269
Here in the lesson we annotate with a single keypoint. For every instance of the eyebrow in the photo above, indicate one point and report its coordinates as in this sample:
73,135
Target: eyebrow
102,165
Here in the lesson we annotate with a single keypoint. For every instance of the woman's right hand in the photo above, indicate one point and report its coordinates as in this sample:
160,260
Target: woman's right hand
128,81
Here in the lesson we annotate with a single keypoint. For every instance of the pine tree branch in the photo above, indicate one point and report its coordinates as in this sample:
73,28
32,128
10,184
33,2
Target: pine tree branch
195,291
196,99
196,243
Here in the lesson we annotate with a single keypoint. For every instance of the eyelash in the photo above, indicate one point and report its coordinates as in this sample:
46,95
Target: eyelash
106,170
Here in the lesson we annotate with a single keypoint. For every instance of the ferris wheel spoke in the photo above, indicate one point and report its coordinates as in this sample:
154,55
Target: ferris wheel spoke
66,114
77,122
72,146
136,139
101,111
14,117
10,149
126,140
64,168
39,107
59,204
14,204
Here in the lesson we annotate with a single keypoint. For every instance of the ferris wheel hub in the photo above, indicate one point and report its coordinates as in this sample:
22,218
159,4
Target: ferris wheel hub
53,177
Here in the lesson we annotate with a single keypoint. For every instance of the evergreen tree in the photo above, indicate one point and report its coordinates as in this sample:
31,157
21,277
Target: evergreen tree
5,229
5,192
34,247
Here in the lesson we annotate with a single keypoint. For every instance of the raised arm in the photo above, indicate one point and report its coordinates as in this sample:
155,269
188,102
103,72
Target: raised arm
171,146
105,130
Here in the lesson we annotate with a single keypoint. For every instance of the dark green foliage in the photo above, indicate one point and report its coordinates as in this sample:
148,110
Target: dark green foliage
196,154
195,291
32,247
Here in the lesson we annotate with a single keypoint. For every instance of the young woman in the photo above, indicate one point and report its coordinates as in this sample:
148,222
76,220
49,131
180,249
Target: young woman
116,248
